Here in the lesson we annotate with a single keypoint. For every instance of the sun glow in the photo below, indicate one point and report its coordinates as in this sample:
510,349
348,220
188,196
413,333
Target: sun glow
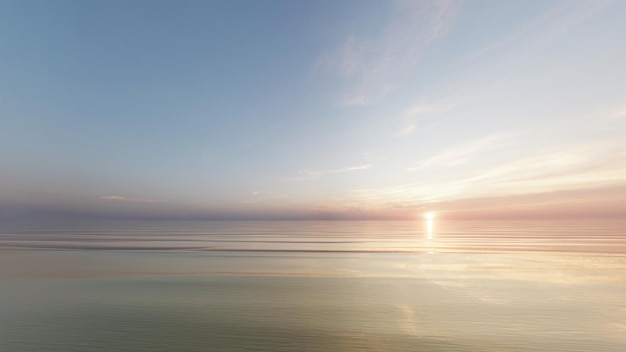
429,224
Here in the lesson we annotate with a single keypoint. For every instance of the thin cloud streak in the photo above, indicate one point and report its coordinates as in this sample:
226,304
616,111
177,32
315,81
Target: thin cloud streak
413,116
462,154
619,115
565,168
354,101
136,200
545,29
308,174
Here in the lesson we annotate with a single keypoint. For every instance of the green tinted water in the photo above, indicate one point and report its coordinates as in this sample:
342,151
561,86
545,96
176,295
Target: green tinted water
272,299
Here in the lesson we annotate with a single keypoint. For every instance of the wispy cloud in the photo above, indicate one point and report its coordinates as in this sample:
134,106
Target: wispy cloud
308,174
136,200
618,115
504,58
358,100
417,114
544,30
375,63
462,154
570,167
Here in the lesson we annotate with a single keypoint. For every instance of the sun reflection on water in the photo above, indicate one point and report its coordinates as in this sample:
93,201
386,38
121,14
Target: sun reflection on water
429,225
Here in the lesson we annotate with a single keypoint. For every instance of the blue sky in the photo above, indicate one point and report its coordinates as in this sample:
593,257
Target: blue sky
320,109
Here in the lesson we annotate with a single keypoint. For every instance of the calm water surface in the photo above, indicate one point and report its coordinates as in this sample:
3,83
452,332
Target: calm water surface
312,286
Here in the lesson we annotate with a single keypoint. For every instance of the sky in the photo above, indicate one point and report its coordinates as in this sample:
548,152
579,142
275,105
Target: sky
313,109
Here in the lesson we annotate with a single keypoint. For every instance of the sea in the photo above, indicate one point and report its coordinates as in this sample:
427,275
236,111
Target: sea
313,286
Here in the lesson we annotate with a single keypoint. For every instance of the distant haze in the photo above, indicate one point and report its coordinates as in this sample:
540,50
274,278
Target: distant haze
312,110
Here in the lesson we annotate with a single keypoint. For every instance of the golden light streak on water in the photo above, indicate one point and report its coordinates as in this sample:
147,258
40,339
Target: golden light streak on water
429,225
